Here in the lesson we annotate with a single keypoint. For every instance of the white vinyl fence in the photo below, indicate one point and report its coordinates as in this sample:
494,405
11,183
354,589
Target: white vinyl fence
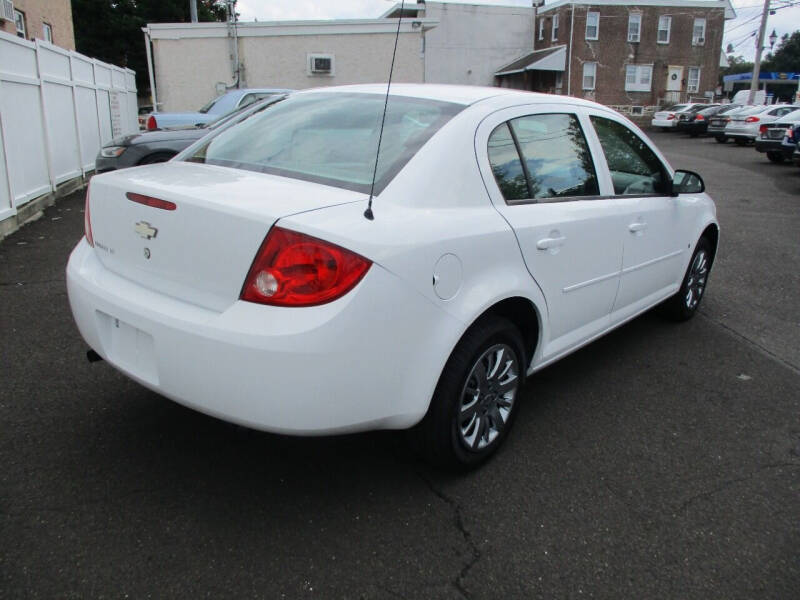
57,108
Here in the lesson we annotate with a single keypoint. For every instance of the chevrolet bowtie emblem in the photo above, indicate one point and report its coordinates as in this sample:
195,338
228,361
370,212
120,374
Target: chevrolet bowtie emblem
145,230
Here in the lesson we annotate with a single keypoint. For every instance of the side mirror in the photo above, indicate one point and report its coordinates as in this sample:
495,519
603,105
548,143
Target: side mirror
687,182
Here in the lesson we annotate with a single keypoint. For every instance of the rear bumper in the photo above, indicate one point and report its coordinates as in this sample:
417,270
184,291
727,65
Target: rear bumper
692,127
774,146
340,367
741,133
663,123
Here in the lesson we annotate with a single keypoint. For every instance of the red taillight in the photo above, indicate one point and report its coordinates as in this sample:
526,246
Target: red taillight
762,129
790,134
670,116
752,120
150,201
294,269
699,118
151,123
87,221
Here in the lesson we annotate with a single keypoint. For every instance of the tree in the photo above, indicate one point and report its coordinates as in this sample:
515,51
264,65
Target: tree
111,30
786,56
736,64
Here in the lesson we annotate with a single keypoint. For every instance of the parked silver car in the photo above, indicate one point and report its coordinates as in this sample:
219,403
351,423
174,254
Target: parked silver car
744,125
213,110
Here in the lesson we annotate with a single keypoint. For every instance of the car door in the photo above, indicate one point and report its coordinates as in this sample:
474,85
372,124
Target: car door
655,226
539,171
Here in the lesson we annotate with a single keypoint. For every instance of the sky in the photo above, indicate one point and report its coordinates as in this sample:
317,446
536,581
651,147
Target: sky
737,31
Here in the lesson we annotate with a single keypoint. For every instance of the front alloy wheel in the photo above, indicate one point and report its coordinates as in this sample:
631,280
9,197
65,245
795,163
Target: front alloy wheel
684,304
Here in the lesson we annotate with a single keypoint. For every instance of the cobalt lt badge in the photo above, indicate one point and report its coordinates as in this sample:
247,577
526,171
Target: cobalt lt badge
145,230
147,253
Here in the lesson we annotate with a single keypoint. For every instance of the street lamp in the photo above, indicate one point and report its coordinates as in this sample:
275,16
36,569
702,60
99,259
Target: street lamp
773,37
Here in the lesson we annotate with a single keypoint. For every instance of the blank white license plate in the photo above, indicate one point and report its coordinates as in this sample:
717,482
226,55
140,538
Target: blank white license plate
128,347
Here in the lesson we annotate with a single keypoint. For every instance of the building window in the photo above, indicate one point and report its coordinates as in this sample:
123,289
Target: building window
559,80
664,25
592,25
555,28
48,32
589,75
541,28
638,78
693,82
634,27
19,21
699,32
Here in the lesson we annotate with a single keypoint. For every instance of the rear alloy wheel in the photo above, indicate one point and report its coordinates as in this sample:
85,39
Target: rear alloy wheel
721,139
475,402
776,157
684,304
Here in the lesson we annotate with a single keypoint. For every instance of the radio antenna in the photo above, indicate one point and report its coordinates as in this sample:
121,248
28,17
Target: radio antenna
368,213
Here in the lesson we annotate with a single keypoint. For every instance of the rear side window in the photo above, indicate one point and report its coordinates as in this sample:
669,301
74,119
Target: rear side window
635,169
545,157
330,138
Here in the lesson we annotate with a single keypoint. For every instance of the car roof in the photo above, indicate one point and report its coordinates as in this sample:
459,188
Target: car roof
458,94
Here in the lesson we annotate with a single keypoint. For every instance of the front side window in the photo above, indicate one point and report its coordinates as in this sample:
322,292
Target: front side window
592,25
664,26
635,169
589,75
693,81
556,161
330,138
634,27
638,78
699,32
19,23
555,28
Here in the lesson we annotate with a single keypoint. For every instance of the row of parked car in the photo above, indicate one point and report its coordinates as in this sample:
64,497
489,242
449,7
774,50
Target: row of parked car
773,129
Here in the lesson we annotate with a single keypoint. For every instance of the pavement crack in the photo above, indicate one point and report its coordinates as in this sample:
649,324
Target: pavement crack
731,482
458,519
753,343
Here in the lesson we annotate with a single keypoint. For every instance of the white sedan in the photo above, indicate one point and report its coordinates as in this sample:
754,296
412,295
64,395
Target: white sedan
245,279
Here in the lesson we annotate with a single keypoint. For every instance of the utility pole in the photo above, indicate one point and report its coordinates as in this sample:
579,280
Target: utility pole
193,10
759,48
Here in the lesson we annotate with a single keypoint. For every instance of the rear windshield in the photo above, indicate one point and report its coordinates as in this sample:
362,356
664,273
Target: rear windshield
728,109
330,138
676,107
751,110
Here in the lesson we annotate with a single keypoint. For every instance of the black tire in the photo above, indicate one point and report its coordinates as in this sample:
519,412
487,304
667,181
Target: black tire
439,436
741,141
682,307
694,135
157,157
776,157
721,139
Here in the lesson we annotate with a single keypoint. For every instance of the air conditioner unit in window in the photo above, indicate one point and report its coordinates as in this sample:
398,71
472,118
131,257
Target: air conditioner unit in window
701,41
7,10
321,64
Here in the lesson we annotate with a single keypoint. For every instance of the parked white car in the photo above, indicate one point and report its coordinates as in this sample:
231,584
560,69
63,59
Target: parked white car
244,278
668,118
744,125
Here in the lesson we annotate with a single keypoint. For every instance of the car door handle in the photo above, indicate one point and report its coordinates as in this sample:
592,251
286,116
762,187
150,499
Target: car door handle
637,226
551,242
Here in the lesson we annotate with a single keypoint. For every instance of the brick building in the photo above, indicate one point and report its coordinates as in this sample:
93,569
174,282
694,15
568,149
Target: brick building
49,20
633,56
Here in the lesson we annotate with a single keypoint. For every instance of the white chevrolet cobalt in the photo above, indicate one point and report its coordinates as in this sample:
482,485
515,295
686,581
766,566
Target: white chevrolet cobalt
246,279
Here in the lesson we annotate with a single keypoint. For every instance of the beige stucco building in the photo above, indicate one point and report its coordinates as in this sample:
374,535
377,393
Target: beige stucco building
193,61
49,20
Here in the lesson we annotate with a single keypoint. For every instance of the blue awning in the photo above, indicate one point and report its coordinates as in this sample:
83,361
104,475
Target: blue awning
773,76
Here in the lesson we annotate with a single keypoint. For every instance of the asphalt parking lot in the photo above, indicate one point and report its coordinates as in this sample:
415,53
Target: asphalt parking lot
663,461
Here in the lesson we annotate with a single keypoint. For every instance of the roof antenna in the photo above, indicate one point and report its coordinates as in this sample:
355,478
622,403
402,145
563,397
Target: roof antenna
368,213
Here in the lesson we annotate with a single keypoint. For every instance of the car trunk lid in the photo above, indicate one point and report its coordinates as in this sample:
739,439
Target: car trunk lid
200,250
